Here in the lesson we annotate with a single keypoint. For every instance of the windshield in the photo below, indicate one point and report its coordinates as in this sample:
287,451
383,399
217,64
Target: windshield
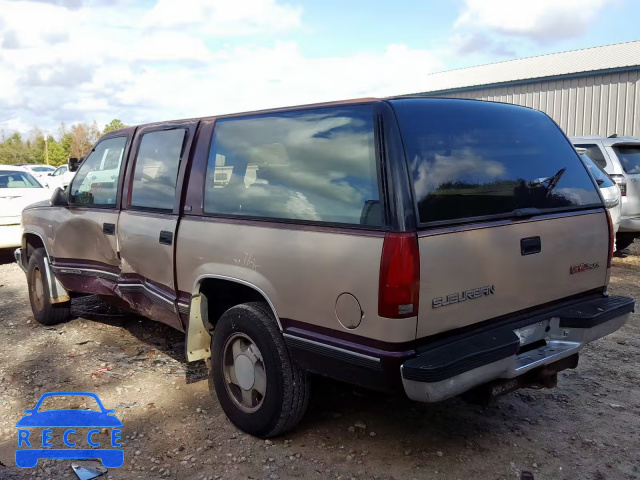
17,179
629,158
597,172
477,159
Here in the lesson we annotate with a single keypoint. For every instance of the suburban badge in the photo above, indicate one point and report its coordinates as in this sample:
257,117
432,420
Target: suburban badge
463,296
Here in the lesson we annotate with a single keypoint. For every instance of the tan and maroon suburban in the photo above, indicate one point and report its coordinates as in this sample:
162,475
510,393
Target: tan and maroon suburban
431,246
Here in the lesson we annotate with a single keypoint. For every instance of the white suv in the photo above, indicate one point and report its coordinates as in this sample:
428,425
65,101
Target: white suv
620,158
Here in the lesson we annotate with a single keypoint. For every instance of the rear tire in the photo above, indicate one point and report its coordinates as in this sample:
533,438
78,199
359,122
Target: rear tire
44,311
624,240
261,390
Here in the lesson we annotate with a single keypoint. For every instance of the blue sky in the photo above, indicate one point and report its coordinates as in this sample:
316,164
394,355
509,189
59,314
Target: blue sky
84,60
362,26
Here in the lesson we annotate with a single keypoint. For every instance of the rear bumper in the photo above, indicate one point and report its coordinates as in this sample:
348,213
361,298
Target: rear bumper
507,353
629,224
10,236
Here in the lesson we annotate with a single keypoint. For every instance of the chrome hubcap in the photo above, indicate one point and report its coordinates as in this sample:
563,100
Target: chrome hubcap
38,289
244,373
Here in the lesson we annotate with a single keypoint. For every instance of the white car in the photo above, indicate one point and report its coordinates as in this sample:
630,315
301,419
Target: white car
60,177
39,171
609,189
18,189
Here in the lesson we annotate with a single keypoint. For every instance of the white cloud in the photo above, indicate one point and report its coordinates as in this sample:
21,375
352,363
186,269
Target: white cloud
542,21
75,61
224,17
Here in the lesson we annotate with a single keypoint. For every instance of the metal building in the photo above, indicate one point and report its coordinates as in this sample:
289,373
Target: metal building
595,91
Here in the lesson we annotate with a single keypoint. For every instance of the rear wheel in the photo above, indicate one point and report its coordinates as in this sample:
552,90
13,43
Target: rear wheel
44,311
624,240
261,390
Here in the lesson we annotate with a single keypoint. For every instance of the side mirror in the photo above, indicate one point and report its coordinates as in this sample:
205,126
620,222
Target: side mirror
74,163
59,198
50,174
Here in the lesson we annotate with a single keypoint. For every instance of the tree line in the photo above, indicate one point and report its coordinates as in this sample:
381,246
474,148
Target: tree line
40,147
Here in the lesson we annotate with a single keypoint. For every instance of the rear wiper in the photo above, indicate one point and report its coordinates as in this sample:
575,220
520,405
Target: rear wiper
551,182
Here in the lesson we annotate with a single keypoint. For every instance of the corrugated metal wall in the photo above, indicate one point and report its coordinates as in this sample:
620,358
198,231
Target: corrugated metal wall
590,105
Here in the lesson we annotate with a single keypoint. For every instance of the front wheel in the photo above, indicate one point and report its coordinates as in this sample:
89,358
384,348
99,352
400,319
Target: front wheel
261,390
44,311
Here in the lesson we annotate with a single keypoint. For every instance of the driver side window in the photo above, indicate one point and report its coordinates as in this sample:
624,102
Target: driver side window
96,182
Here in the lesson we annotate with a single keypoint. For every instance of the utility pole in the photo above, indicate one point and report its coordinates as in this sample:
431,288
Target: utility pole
46,148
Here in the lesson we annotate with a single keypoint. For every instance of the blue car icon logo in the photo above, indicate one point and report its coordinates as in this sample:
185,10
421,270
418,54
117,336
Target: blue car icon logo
33,446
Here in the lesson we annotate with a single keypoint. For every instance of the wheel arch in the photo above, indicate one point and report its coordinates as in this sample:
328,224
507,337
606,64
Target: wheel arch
223,292
212,296
32,241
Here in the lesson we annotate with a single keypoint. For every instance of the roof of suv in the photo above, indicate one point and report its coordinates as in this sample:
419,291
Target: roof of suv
606,141
347,102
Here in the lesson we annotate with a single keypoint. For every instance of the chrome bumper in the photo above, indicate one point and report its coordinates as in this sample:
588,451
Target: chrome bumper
555,339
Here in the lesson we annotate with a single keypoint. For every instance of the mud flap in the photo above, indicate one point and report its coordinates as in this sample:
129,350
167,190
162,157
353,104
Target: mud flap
198,338
57,293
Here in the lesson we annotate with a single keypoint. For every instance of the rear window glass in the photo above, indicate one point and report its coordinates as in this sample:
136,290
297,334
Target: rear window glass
594,153
629,158
476,159
16,179
314,165
599,175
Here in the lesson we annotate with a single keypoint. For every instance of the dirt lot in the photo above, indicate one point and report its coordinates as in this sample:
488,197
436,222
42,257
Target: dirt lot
587,428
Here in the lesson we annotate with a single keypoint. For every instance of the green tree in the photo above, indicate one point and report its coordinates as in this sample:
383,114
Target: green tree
13,150
57,153
114,124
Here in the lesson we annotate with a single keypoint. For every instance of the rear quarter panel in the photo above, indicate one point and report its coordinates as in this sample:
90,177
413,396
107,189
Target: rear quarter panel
301,270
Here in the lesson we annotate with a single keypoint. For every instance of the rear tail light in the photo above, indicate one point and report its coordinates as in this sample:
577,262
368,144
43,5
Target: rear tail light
611,240
399,276
622,183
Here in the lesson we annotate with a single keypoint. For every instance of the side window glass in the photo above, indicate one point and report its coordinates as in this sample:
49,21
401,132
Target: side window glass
595,154
96,182
308,165
156,170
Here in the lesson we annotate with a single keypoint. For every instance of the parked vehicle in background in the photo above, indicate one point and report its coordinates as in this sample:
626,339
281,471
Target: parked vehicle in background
61,177
39,171
620,158
609,189
18,189
429,246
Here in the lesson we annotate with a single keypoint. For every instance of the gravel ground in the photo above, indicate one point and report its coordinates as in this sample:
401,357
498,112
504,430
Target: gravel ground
586,428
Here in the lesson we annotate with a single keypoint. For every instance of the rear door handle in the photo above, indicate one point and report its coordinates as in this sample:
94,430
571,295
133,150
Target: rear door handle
109,228
166,238
530,245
